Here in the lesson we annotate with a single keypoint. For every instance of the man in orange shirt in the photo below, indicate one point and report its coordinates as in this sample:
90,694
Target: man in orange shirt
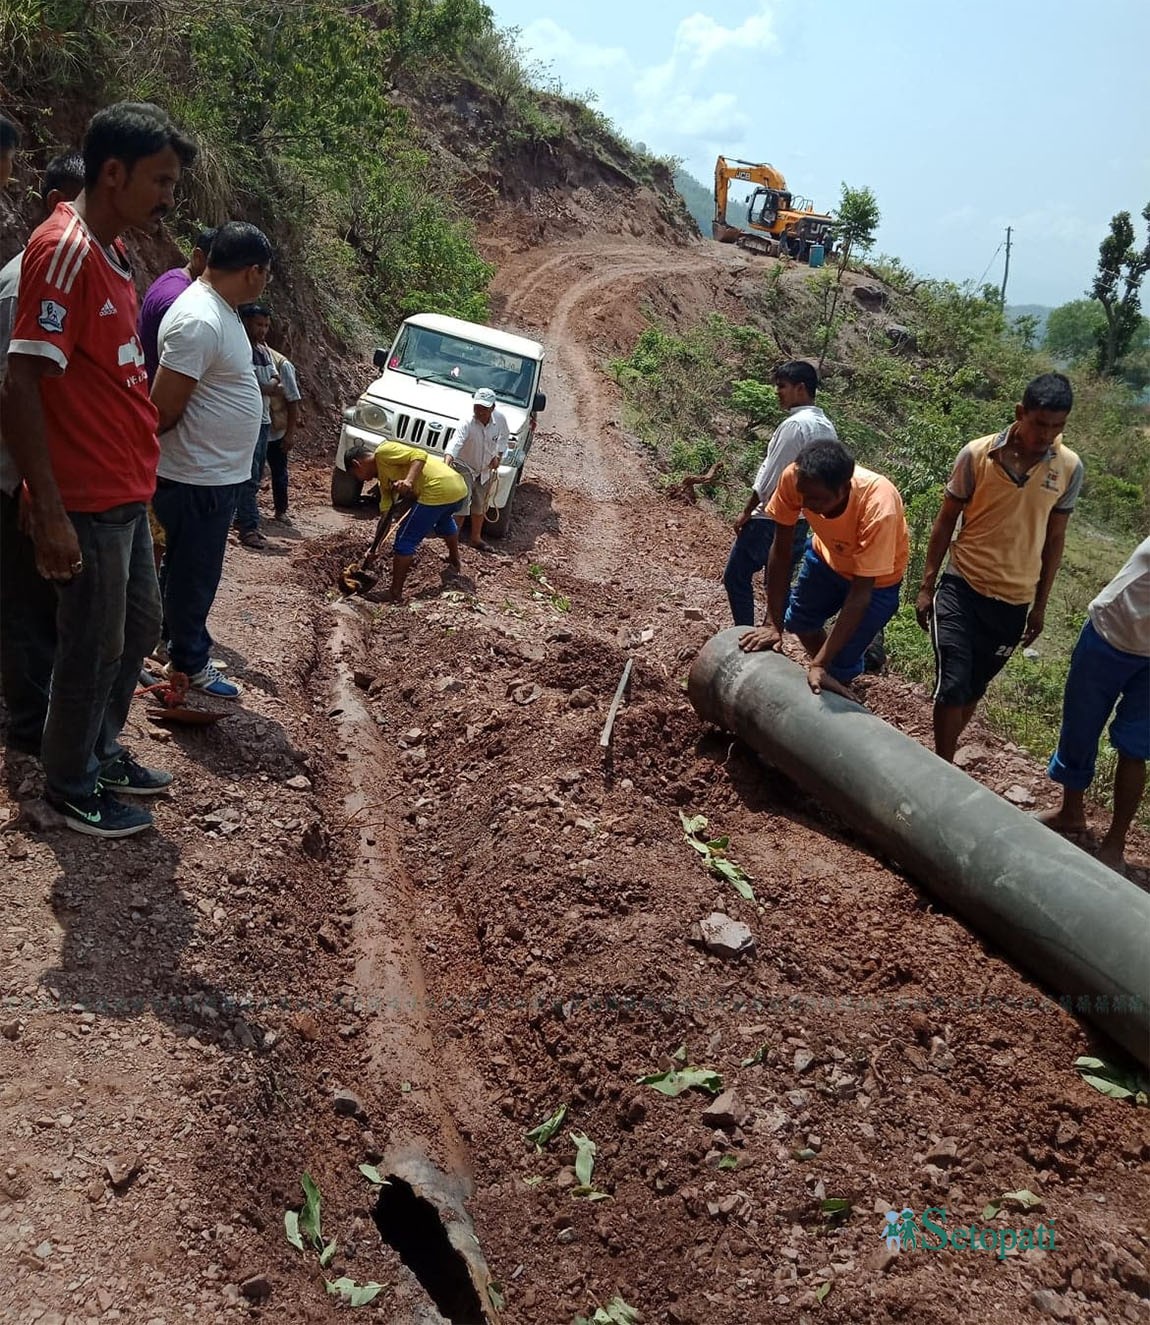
853,566
1015,491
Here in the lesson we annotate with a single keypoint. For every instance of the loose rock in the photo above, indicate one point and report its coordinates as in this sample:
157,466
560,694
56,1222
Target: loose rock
727,1111
726,937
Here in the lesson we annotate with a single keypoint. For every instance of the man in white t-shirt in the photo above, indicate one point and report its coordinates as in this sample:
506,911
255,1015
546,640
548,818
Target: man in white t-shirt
210,416
480,442
796,383
1109,674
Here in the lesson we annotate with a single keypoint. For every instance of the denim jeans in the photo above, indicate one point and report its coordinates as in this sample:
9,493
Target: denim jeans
196,521
27,631
107,619
278,464
247,508
749,555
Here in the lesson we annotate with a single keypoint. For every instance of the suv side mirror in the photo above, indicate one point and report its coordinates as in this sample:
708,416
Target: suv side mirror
540,402
379,358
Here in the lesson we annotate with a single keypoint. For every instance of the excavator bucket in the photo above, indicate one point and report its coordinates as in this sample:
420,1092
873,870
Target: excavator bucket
725,234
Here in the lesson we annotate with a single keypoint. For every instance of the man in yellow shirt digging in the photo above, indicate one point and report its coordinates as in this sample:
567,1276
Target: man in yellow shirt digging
439,492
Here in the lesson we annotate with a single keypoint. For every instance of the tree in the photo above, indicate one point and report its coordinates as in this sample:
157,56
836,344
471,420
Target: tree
1073,329
1121,268
855,223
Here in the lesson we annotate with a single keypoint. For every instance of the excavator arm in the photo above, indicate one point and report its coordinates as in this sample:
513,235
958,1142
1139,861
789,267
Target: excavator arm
729,168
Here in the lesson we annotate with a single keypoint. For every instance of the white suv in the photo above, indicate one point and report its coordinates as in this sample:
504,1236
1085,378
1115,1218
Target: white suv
434,367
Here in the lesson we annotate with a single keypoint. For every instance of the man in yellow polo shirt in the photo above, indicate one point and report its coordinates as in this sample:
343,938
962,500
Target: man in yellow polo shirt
853,566
1014,491
439,492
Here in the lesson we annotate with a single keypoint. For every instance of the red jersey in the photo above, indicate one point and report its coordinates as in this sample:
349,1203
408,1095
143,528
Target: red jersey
77,307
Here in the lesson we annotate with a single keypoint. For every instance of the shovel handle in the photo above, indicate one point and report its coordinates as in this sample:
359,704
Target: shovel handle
396,510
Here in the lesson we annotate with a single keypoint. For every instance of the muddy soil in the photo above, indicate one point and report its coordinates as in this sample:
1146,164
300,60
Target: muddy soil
401,906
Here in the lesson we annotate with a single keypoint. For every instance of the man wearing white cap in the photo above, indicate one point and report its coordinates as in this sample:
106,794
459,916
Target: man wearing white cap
480,442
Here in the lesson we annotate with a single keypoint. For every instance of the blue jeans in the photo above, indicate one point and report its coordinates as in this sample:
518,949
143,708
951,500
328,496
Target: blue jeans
749,555
278,464
196,521
819,595
1101,676
247,507
107,621
27,631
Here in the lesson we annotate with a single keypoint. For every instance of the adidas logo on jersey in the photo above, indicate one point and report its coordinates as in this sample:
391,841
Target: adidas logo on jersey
109,309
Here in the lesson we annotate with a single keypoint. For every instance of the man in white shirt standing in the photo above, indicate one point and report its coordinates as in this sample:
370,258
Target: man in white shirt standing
480,442
1109,673
211,412
796,383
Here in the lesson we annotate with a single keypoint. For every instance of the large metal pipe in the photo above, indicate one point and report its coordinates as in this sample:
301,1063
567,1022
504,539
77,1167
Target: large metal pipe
1080,927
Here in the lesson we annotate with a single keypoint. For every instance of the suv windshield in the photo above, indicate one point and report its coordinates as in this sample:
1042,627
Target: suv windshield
433,356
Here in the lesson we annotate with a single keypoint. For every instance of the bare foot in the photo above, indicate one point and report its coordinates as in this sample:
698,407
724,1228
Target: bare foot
1060,822
1112,857
455,564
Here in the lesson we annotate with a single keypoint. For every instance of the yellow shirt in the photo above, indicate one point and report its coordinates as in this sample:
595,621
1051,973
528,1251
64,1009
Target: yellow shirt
998,547
437,485
869,539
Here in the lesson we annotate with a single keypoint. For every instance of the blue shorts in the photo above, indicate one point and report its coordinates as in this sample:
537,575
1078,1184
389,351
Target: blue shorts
423,520
1101,676
819,595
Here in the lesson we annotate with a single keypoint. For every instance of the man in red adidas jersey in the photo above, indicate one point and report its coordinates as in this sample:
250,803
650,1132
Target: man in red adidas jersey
82,430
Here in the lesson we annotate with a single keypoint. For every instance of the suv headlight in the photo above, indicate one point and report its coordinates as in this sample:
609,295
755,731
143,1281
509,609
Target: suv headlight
370,417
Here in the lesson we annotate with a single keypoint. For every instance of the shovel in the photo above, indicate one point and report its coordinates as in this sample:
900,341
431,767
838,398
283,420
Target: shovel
355,578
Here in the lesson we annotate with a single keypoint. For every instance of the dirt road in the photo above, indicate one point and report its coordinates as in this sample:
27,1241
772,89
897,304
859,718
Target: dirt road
400,909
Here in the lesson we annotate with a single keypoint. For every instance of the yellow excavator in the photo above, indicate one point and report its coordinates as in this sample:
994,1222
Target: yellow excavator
778,221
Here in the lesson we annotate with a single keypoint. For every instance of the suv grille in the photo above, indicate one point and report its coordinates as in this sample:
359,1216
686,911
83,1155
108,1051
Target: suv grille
416,431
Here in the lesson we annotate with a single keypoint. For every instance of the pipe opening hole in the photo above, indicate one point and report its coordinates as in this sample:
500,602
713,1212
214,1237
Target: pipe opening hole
411,1224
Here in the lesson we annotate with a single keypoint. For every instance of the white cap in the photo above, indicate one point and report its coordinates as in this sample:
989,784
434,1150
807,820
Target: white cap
484,396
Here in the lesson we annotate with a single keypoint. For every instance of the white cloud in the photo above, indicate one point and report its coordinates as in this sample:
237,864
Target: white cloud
670,104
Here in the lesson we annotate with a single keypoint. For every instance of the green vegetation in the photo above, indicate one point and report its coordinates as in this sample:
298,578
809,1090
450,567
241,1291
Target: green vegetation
1117,286
699,197
907,388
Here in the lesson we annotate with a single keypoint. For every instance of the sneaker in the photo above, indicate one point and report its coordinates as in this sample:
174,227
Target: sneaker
126,777
101,815
212,683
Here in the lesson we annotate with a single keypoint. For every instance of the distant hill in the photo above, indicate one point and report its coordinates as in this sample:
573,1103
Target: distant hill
699,198
1015,311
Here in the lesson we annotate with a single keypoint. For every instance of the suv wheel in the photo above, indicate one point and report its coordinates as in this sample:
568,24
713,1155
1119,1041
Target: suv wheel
345,488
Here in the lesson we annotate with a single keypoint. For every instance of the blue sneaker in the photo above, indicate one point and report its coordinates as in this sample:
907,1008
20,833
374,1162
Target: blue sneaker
211,682
126,777
101,815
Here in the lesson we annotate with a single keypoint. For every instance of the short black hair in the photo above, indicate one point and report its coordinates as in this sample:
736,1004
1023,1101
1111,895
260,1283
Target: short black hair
360,451
204,240
64,173
798,373
9,135
1050,391
826,462
254,310
128,132
239,244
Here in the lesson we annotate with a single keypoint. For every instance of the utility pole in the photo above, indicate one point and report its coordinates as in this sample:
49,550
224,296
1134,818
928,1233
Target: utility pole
1006,268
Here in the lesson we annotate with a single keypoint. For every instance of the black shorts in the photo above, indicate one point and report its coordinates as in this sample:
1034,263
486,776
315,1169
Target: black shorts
973,638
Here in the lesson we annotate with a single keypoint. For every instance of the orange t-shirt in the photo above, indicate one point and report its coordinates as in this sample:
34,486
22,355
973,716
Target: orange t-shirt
869,538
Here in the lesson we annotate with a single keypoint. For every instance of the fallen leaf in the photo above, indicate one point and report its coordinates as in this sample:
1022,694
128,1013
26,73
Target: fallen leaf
539,1136
676,1080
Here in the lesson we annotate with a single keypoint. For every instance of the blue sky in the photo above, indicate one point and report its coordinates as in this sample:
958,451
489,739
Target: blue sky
963,117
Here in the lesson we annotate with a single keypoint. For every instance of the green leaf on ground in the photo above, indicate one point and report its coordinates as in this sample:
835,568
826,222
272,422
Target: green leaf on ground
372,1174
714,853
1026,1199
309,1217
989,1211
533,1181
539,1136
680,1054
355,1295
589,1194
822,1291
495,1295
328,1254
756,1058
692,824
676,1080
835,1207
291,1229
584,1157
1116,1082
616,1312
729,1162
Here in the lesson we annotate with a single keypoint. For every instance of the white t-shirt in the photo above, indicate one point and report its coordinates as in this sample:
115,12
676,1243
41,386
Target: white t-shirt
214,439
476,445
804,424
290,383
1121,612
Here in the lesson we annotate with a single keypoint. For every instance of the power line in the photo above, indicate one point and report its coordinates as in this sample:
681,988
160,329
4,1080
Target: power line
990,264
